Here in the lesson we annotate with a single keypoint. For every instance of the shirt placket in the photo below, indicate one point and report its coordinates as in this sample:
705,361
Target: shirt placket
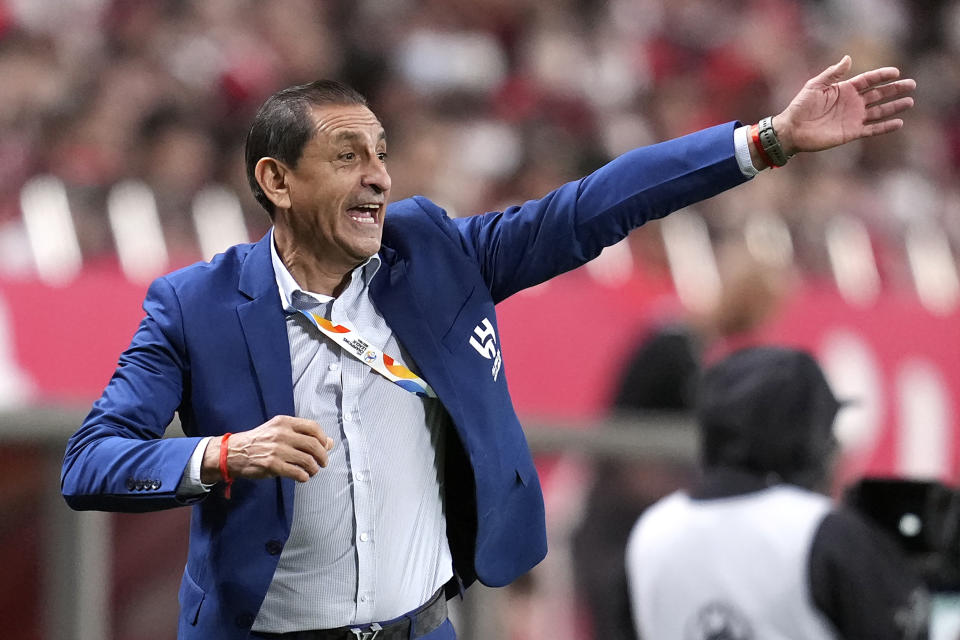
353,377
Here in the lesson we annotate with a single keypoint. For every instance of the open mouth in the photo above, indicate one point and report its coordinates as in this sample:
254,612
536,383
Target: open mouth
364,213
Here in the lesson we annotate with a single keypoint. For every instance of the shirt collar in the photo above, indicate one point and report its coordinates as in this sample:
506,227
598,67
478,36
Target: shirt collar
288,286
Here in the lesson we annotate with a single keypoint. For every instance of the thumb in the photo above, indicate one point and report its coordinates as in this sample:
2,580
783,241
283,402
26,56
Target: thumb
836,72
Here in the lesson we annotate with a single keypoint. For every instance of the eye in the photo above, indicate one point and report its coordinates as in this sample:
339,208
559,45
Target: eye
382,156
349,156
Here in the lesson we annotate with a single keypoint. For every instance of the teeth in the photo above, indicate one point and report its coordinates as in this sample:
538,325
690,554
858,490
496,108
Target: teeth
369,213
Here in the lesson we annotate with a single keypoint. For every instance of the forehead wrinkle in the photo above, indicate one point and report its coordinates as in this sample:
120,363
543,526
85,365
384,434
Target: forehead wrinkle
350,122
353,135
336,134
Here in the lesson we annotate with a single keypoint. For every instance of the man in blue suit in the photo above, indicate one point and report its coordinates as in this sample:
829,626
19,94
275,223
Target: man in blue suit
352,455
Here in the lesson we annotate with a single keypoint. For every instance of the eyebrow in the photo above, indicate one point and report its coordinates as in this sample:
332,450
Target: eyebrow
353,135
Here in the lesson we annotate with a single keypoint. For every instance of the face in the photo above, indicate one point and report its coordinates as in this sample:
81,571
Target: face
339,189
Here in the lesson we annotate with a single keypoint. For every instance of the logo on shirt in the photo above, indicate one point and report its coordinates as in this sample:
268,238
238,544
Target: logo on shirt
718,621
484,340
370,356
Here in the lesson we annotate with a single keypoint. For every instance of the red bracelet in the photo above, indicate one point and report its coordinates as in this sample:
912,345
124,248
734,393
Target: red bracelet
223,465
755,134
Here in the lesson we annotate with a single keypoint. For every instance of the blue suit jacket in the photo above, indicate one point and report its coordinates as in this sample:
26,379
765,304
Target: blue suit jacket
213,347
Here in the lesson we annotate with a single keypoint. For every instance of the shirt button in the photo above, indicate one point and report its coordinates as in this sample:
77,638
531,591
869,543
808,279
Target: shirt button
364,598
274,547
361,476
364,536
347,417
333,366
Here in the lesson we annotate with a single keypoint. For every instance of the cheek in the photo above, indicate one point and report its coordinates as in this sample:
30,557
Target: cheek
325,206
323,194
332,193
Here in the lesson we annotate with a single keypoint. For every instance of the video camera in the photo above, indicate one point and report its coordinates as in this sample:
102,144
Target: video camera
923,517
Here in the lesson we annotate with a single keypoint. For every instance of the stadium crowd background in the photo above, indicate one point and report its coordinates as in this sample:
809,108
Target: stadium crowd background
485,103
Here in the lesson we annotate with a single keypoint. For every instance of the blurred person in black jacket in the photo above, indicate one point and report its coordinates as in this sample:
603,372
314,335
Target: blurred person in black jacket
756,550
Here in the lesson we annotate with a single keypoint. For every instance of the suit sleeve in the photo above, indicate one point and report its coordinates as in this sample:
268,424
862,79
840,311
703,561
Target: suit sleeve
118,460
529,244
862,583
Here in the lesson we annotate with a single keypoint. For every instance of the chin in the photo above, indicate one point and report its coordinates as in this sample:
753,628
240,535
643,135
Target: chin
367,248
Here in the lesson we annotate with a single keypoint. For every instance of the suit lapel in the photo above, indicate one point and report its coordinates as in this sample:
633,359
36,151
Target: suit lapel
264,329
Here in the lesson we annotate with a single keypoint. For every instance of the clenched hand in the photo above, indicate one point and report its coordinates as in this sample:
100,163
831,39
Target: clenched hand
284,446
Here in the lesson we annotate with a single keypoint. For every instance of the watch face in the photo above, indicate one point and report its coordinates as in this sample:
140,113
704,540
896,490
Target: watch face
718,621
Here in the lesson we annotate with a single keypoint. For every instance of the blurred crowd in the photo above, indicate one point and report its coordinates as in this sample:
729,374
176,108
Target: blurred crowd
486,102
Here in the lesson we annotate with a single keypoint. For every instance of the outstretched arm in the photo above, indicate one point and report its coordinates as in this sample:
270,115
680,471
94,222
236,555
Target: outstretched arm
529,244
830,111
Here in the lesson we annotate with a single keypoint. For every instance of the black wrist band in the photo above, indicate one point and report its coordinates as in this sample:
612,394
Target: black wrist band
771,144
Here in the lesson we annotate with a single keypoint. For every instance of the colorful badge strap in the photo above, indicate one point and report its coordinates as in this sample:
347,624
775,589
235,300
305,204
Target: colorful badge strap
361,349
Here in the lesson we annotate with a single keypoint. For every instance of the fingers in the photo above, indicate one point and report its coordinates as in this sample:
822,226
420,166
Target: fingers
287,470
869,79
307,461
300,459
886,92
304,426
866,81
834,73
313,430
289,461
887,109
880,128
284,446
310,446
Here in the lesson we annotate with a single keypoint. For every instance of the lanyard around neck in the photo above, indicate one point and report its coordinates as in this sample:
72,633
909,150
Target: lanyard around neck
363,350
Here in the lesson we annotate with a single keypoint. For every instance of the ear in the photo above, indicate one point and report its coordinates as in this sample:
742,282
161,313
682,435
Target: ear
272,176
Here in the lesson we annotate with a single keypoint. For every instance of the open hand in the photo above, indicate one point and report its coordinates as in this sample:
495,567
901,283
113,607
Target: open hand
830,111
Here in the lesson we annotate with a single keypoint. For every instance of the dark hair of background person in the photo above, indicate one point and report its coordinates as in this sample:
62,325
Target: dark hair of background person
769,410
283,126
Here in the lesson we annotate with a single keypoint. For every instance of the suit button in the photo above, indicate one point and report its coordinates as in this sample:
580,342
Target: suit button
274,547
244,620
131,484
155,485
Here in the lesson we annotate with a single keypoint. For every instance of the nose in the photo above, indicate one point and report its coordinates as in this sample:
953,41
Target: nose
376,176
